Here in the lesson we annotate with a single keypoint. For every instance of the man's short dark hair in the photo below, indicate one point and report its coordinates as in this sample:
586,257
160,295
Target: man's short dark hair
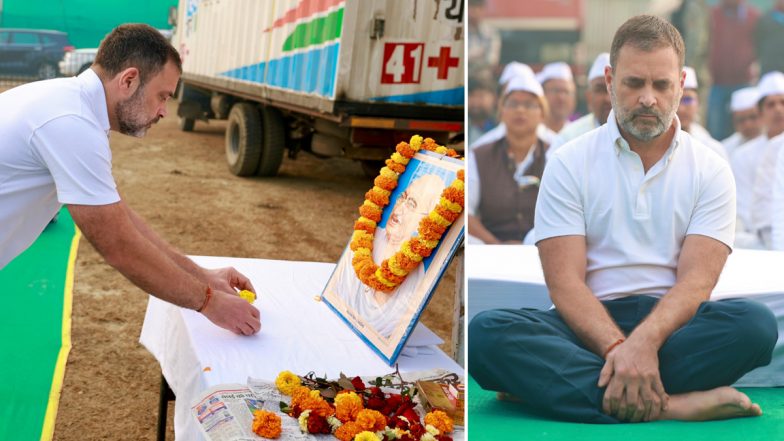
136,45
647,32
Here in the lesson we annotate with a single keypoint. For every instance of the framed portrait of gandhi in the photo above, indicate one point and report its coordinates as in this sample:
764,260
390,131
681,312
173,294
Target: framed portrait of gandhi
385,319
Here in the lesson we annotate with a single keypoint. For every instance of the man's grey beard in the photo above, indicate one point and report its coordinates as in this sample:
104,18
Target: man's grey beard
129,114
645,133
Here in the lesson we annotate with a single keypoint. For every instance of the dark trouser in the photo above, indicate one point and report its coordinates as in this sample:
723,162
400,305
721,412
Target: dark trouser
536,357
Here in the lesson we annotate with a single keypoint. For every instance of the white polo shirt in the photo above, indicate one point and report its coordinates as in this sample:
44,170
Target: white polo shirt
634,222
54,151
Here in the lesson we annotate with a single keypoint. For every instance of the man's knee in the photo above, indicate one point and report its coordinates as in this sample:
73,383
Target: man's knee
754,324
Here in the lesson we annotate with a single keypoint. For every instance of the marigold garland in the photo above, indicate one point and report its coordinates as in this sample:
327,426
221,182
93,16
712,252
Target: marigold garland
266,424
393,271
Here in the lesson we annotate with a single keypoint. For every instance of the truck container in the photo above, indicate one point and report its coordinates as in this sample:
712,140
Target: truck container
342,78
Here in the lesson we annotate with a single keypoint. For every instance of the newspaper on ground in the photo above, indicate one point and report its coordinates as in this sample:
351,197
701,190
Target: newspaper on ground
225,412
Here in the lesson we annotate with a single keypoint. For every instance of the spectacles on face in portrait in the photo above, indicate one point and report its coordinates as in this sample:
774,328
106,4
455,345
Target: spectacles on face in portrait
512,104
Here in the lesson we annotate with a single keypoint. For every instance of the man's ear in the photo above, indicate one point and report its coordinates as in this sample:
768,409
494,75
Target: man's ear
128,81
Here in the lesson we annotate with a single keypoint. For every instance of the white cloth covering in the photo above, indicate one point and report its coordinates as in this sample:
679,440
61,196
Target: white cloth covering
298,334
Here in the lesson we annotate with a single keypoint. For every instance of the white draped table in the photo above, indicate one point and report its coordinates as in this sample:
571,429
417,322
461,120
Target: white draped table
298,334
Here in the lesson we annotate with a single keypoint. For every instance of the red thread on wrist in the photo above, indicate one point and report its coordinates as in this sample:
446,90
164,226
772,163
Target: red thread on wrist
612,346
207,297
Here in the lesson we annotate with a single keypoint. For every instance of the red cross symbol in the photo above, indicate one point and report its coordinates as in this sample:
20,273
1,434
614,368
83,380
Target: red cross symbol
443,62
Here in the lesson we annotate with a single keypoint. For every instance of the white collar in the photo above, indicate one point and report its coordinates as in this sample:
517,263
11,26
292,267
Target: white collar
96,95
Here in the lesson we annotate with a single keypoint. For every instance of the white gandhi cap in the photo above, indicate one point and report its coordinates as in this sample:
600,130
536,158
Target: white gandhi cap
512,70
597,69
691,78
772,83
744,99
555,71
525,83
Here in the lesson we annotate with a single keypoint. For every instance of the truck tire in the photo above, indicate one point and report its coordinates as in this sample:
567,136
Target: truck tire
243,139
273,142
186,124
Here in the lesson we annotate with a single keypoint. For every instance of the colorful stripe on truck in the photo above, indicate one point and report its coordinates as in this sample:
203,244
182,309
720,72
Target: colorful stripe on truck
310,51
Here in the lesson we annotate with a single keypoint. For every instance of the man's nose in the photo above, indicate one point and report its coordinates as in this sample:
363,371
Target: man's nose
162,111
646,98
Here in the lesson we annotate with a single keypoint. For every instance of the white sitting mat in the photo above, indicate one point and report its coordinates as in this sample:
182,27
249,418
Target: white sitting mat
298,334
510,276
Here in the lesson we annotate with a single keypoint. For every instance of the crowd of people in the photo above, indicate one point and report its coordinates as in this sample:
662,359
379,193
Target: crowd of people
516,124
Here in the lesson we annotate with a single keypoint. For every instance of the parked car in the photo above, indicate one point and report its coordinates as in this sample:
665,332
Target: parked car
32,52
77,61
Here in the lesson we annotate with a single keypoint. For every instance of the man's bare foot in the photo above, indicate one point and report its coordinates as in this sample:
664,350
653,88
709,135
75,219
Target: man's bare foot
506,396
715,404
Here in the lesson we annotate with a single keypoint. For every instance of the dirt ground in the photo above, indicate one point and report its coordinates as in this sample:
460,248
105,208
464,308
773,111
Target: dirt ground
180,184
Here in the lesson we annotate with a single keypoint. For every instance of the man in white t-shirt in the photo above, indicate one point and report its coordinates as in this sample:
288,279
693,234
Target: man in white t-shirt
634,223
745,119
55,151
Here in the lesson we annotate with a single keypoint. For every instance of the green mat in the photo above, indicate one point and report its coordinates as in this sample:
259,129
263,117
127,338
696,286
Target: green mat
35,322
490,419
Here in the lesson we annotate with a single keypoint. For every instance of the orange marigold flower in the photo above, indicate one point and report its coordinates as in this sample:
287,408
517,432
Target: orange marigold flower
347,406
440,420
395,167
385,183
317,406
372,420
429,144
371,213
389,275
452,153
405,150
461,174
266,424
299,394
361,242
382,200
420,248
454,195
428,225
347,431
447,214
360,225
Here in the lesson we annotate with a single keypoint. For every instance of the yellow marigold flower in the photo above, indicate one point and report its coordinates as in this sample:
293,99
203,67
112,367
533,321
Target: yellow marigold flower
431,243
440,420
380,191
362,252
441,150
287,382
303,421
249,296
372,420
371,204
347,406
416,142
408,252
395,267
315,394
458,184
381,279
366,221
388,173
437,218
400,159
266,424
366,436
449,205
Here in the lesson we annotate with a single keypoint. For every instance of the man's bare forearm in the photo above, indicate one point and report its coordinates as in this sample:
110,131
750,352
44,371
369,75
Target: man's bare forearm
563,262
699,266
109,229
